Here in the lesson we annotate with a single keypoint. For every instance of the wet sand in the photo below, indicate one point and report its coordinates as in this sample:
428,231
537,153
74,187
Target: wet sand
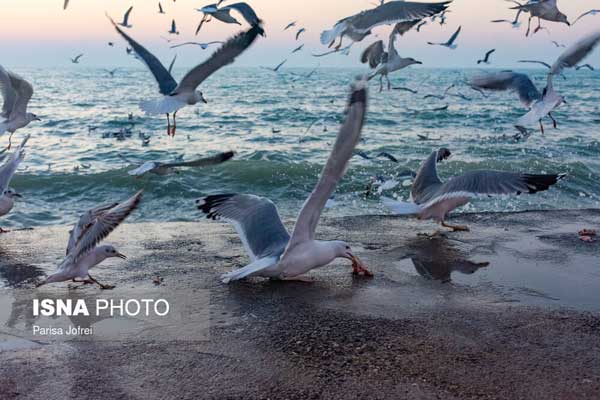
509,310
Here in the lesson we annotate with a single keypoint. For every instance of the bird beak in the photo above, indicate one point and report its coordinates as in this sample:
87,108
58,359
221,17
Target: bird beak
122,256
37,119
19,195
204,101
418,62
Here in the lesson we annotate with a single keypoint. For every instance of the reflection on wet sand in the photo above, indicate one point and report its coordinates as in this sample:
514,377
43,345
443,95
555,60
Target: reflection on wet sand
14,273
435,258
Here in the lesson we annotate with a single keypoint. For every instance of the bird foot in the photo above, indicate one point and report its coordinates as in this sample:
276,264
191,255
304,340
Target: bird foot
4,230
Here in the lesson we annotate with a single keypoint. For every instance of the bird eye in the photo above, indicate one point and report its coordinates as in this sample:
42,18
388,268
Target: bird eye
347,247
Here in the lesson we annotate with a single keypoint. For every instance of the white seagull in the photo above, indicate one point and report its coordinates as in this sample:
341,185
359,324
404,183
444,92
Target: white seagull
7,194
177,96
434,199
16,93
274,253
451,42
167,168
359,26
83,251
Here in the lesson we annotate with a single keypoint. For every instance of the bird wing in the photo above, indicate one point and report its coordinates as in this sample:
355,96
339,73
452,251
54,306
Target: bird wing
65,4
144,168
255,219
24,92
10,167
9,94
246,11
172,64
84,223
126,16
489,53
395,11
402,27
220,58
508,80
575,53
334,169
203,162
103,225
166,82
585,14
475,183
545,64
454,36
173,26
427,180
279,65
373,54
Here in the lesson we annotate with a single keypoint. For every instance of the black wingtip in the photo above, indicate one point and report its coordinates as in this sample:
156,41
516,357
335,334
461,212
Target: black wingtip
227,155
209,204
539,183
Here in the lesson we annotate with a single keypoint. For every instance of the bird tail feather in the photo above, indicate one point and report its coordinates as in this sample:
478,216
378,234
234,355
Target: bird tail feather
256,266
330,35
401,207
164,105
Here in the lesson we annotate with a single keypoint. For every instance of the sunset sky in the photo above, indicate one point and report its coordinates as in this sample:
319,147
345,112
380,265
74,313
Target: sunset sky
39,33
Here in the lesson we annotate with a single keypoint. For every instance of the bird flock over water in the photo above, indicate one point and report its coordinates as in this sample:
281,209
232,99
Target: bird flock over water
273,251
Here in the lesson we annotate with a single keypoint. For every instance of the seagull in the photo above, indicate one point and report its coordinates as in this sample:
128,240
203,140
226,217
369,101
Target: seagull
486,59
423,23
9,195
515,23
83,251
588,66
297,49
170,69
300,31
125,23
204,46
557,44
111,44
65,4
111,72
173,30
16,93
344,51
160,9
433,199
591,12
390,61
76,59
543,10
450,43
162,169
177,96
223,14
276,69
290,25
359,26
274,253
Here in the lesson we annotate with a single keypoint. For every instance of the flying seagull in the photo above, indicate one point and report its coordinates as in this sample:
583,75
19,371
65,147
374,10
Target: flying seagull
300,32
76,59
359,26
125,23
588,66
7,194
514,23
486,59
16,93
344,51
276,69
65,4
543,10
591,12
450,43
554,42
390,61
173,30
434,199
273,252
223,14
167,168
160,9
297,49
204,46
177,96
290,25
83,251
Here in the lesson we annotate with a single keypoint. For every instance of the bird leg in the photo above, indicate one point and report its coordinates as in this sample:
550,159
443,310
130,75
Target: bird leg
541,127
102,286
168,125
84,281
456,228
388,82
174,124
538,27
554,123
10,141
339,46
380,83
528,26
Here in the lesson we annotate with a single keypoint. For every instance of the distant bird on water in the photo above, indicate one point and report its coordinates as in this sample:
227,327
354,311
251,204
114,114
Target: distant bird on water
486,59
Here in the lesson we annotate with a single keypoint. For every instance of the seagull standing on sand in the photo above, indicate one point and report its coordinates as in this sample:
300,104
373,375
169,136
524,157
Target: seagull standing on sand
359,26
16,93
543,10
125,22
177,96
389,61
433,199
451,42
274,253
7,194
83,251
162,169
486,59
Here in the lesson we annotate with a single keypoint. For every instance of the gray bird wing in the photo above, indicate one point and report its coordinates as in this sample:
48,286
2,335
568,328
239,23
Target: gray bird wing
166,82
246,11
392,12
426,182
84,223
126,16
373,54
222,57
575,53
345,143
203,162
255,219
508,80
9,94
10,167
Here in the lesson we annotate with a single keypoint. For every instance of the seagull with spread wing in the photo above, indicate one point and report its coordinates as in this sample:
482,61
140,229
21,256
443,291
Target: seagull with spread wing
167,168
125,22
83,252
223,14
434,199
360,25
274,253
16,93
384,62
451,43
585,14
203,46
76,59
177,96
486,59
7,171
543,10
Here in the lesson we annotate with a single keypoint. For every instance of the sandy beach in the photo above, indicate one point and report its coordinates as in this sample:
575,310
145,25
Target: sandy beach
436,321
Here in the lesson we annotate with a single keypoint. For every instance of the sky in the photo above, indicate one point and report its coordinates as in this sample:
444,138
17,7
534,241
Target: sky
39,33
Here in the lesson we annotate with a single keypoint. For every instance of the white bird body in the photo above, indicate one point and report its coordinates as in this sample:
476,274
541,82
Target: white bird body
80,269
17,93
17,121
171,104
6,204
